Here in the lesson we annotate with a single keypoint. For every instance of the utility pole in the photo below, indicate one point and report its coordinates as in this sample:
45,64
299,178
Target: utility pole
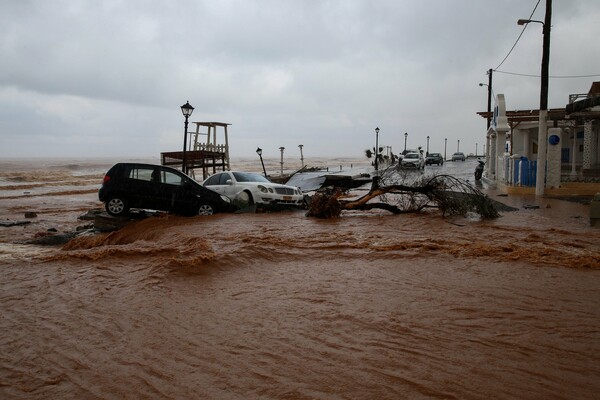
489,120
543,116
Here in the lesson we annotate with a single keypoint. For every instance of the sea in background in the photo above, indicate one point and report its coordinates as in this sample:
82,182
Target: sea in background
281,306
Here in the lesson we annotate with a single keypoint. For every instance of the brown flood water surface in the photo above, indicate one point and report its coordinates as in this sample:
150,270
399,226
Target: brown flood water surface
283,306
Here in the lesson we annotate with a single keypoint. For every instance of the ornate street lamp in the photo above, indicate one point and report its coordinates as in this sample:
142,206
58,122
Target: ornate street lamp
427,153
376,148
405,137
187,110
259,152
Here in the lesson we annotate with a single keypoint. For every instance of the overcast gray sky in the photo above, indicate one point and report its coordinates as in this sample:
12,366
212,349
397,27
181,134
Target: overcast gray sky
106,78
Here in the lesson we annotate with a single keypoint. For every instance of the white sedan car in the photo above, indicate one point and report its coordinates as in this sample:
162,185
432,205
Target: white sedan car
413,160
251,188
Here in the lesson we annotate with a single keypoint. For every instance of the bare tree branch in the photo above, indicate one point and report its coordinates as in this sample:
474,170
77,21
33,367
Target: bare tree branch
390,192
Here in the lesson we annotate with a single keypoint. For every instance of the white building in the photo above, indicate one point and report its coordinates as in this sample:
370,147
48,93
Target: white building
573,147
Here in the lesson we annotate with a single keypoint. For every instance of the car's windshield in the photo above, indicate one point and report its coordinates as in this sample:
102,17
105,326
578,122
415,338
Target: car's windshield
434,154
412,155
249,177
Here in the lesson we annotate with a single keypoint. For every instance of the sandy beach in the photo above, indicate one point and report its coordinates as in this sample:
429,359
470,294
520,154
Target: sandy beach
282,306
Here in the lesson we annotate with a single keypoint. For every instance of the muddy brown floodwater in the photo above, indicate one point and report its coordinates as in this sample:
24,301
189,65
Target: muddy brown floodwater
280,306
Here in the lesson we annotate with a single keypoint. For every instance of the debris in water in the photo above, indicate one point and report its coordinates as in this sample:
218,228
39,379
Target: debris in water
13,223
393,192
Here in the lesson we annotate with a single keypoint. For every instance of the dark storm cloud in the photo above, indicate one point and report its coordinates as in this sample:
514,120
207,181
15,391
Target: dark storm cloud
113,73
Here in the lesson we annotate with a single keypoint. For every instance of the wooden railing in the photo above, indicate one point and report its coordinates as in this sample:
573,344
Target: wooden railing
217,148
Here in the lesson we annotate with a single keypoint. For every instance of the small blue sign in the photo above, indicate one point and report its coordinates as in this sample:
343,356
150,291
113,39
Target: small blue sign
554,139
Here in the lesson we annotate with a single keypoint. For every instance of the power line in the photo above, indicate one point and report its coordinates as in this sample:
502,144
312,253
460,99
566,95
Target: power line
517,41
551,76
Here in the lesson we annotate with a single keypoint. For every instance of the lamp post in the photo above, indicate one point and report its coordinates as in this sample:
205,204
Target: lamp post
405,137
540,176
475,149
427,152
458,146
376,148
281,162
445,143
187,110
489,97
301,156
259,152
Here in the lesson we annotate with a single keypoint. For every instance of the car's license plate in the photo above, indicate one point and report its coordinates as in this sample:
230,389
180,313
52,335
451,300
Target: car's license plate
287,198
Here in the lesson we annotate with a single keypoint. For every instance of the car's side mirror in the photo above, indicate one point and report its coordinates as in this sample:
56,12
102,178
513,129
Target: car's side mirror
229,182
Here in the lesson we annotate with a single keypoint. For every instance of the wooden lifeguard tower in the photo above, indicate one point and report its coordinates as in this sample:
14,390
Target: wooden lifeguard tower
204,151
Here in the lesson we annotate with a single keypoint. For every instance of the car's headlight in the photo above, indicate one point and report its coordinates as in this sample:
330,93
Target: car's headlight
226,199
262,188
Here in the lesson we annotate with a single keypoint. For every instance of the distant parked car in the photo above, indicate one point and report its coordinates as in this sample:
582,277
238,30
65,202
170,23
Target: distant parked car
156,187
251,188
434,158
458,156
413,160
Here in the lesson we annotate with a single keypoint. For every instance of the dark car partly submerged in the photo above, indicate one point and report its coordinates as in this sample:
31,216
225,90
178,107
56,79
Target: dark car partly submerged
156,187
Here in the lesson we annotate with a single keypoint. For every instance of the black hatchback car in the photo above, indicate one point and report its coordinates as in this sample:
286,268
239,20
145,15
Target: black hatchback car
156,187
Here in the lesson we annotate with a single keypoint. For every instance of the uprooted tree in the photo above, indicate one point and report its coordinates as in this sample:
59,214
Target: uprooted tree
399,192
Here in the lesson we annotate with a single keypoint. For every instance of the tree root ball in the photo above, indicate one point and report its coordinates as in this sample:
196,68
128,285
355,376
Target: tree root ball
324,205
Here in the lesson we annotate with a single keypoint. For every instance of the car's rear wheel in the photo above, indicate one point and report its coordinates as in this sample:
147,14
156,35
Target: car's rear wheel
116,206
206,209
